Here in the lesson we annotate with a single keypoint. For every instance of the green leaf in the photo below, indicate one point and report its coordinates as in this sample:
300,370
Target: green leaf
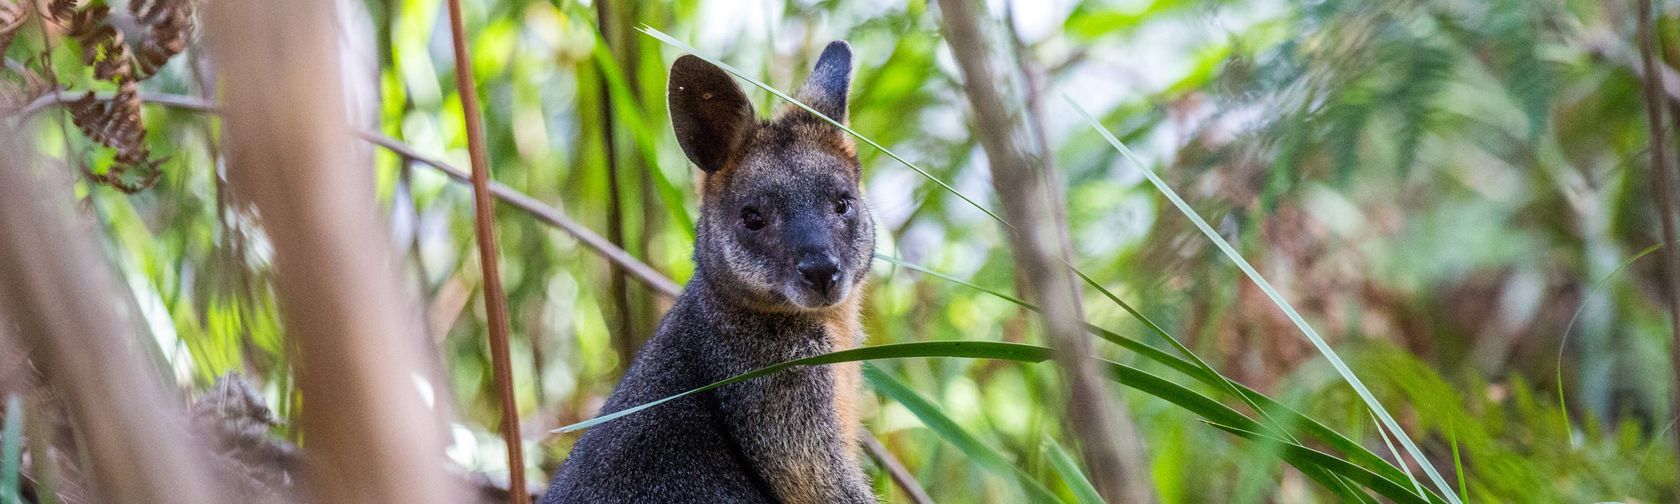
1069,470
1318,342
948,429
1289,417
1563,402
965,349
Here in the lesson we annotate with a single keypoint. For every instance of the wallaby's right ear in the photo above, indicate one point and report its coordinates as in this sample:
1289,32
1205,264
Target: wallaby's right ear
709,113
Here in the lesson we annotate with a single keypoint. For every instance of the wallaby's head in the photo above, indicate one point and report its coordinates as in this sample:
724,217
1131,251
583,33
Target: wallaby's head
783,225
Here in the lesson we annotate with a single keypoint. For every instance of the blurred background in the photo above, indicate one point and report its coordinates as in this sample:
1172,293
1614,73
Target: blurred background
1455,193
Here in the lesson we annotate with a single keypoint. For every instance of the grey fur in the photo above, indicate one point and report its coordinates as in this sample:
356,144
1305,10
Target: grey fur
786,437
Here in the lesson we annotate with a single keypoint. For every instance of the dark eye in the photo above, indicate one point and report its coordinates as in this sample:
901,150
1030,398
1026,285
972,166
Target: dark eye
751,219
842,206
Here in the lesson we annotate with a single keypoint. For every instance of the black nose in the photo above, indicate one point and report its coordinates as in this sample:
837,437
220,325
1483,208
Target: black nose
821,272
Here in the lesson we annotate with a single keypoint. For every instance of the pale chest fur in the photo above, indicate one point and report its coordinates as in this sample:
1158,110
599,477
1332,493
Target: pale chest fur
844,332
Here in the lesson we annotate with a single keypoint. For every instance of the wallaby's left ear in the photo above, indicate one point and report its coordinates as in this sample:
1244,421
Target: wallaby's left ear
825,90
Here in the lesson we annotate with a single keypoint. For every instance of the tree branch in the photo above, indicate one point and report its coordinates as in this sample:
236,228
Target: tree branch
550,215
1664,191
895,470
1028,185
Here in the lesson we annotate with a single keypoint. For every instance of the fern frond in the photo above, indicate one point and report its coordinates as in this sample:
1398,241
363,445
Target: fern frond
168,29
12,15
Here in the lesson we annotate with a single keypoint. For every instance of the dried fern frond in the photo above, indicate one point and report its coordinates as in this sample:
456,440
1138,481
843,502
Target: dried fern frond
168,29
12,15
102,45
116,124
60,11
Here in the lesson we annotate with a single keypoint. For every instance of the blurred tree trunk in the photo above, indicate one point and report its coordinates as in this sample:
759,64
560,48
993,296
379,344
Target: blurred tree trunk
626,336
634,209
291,153
56,289
1030,190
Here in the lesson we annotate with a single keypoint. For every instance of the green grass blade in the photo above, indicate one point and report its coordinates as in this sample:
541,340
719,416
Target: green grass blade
1277,298
963,349
1071,474
1218,414
11,451
1299,456
948,429
673,42
1206,374
1563,403
929,272
1383,433
1458,464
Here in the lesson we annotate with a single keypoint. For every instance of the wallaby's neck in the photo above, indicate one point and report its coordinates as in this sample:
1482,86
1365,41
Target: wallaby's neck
831,329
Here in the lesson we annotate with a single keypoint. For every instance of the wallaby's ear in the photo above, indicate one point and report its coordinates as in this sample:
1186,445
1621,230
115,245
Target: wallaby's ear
709,113
825,90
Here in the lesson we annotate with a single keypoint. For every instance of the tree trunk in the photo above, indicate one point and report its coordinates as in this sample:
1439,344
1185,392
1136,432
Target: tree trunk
1030,190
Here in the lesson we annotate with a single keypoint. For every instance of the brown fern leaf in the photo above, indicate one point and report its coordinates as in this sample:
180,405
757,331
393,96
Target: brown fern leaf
168,30
116,124
60,12
102,45
12,15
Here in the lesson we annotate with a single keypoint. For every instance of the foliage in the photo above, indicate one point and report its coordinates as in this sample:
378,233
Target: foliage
1435,185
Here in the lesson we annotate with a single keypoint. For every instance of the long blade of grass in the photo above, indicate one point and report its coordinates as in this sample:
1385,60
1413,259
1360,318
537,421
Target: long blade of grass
1276,298
1383,433
1071,474
964,349
1458,464
1204,374
11,451
673,42
948,429
1299,456
1218,414
1563,402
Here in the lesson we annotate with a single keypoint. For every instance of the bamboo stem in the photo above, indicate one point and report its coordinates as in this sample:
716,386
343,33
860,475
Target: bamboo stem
484,222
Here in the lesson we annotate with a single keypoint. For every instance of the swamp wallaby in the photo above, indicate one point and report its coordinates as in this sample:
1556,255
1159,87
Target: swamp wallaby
782,248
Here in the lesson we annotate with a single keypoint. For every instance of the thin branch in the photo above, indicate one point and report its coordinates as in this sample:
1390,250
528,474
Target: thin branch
1664,190
484,222
550,215
543,212
895,470
1029,187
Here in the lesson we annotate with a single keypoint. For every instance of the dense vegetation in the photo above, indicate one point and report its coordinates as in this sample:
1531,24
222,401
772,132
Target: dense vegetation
1456,194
